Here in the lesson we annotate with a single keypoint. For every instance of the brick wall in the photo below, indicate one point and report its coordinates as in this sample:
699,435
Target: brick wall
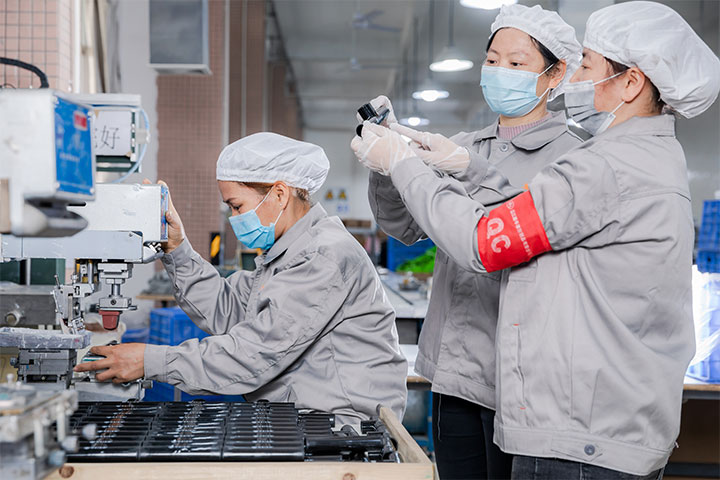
190,137
37,32
246,92
283,103
190,116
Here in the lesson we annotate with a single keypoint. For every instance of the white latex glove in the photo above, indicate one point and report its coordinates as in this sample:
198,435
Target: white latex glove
380,149
435,150
381,101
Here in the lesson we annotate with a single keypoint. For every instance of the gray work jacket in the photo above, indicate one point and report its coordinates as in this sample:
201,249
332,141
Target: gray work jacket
593,338
311,325
457,341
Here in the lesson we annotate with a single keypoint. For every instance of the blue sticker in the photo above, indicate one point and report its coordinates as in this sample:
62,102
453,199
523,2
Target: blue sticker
73,148
164,196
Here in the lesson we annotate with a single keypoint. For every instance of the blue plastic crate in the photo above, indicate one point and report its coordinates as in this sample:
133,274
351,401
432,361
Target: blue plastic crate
171,326
709,238
707,370
708,261
711,210
136,335
398,252
164,392
709,235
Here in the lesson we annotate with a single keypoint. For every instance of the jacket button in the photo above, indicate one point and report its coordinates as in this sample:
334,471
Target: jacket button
504,147
589,450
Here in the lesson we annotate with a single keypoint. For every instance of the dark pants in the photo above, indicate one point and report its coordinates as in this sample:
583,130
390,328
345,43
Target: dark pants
463,437
534,468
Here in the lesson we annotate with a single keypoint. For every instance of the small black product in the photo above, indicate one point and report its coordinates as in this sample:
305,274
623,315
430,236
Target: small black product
367,112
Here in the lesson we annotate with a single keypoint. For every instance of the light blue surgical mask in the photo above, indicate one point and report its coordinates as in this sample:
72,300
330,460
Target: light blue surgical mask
580,106
251,232
511,93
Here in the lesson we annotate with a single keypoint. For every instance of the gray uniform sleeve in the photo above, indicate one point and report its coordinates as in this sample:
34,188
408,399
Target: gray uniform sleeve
442,208
214,303
576,199
293,309
484,183
390,212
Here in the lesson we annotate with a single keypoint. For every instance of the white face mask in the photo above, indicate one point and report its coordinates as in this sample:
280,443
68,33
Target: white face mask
580,105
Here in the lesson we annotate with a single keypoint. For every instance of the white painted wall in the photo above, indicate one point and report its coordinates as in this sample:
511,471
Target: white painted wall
345,173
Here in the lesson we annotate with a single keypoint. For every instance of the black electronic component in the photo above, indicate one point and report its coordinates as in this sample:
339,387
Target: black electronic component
368,113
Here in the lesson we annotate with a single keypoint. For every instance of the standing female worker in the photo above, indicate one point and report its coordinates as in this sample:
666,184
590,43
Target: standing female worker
310,325
530,54
594,337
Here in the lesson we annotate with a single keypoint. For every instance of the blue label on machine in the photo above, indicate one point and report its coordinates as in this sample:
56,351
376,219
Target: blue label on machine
164,199
73,148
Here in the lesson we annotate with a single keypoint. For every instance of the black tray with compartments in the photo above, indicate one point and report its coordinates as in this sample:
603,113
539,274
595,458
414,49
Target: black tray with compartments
203,431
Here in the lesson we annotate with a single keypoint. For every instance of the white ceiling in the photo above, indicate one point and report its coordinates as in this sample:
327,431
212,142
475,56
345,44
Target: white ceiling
320,41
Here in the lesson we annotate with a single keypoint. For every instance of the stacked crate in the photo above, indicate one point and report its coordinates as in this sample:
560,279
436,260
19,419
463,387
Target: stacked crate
171,326
708,262
708,255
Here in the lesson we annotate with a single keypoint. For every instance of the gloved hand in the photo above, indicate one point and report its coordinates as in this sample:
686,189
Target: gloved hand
380,149
435,150
176,232
381,101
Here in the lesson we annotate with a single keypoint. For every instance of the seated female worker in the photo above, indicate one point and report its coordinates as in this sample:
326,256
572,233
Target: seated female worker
311,325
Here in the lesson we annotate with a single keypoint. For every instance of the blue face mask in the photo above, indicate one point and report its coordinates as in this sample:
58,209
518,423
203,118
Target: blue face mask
511,93
251,232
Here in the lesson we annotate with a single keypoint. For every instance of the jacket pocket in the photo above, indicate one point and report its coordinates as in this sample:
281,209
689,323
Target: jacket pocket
518,365
527,272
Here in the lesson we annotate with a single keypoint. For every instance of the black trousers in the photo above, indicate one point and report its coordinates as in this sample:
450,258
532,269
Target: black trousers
534,468
463,437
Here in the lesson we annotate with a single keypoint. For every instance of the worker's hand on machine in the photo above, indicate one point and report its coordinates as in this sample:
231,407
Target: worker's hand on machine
380,149
122,363
437,151
176,233
381,101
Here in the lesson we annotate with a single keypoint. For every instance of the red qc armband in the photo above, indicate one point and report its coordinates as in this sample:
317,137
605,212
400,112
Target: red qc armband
511,234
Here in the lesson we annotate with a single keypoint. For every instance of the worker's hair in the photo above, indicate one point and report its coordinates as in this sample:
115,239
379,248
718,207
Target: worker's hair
263,188
548,57
617,67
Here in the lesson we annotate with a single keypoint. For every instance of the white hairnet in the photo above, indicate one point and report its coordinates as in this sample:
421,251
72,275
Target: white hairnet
268,157
548,28
658,41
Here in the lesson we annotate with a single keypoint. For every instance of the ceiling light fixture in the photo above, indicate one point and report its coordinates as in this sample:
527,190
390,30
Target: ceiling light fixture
415,120
451,59
486,4
429,91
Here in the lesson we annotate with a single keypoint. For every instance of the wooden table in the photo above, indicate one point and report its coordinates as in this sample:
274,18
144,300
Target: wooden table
697,390
414,465
696,455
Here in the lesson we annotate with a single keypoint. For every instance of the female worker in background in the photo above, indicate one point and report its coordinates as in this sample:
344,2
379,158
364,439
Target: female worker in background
594,336
530,54
311,325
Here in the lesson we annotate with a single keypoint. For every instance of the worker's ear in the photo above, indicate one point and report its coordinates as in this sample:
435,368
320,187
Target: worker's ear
557,72
633,82
282,192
